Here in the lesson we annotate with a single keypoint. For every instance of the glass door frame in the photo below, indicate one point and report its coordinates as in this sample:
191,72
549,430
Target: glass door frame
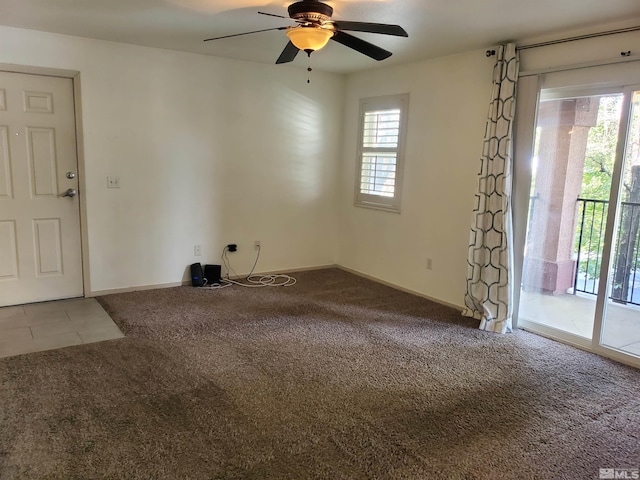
611,229
526,121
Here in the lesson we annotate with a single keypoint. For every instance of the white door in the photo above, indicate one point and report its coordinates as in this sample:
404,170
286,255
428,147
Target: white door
40,248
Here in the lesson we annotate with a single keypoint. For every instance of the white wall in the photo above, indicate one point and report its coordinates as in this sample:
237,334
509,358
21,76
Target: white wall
209,151
449,100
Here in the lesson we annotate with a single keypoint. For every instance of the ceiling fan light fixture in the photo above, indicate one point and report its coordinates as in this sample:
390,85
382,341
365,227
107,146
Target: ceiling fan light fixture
309,38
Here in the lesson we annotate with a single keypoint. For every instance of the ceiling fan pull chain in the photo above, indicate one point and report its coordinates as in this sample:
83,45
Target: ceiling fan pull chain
309,69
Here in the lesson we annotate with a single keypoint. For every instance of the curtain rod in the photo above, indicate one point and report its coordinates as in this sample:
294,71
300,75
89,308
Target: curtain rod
491,53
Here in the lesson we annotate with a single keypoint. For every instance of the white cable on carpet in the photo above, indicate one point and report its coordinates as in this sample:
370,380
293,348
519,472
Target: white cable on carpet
255,281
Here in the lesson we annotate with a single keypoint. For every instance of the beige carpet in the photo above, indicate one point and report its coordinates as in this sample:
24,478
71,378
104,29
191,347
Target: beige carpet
334,378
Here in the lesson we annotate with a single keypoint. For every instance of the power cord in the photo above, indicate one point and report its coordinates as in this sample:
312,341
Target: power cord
254,281
226,262
215,286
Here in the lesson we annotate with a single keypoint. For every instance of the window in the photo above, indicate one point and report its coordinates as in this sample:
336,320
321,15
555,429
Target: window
380,152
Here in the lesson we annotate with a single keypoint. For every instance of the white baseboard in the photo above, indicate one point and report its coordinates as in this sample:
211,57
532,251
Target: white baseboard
289,270
402,289
100,293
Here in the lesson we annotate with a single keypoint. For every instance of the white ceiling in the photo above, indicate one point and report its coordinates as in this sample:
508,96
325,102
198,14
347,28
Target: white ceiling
435,27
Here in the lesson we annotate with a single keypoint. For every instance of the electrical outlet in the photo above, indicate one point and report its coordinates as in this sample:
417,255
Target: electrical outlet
256,245
113,182
197,250
429,264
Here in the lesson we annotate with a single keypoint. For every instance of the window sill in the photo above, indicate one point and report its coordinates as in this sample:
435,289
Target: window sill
378,206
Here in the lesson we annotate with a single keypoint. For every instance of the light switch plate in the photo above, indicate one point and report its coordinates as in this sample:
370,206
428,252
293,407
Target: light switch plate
113,182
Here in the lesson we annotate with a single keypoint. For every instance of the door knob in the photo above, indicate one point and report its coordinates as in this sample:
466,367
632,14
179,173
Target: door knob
72,192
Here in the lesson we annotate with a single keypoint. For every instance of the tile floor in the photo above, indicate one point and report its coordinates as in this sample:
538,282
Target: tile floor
575,314
49,325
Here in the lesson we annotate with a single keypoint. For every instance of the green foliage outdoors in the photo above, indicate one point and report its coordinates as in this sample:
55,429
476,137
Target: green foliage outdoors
601,150
596,183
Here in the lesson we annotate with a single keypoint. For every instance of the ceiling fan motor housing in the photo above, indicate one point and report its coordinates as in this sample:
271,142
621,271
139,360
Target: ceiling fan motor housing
311,11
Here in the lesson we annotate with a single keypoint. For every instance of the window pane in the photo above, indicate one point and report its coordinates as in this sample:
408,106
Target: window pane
381,128
575,144
378,181
378,175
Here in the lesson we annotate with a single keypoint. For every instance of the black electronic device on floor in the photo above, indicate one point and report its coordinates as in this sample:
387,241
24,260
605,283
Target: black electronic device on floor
197,278
213,274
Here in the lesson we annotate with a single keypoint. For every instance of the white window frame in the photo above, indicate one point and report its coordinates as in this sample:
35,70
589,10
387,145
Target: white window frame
390,102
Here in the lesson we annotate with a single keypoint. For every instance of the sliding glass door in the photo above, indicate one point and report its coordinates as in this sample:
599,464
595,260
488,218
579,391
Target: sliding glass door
580,257
575,146
620,327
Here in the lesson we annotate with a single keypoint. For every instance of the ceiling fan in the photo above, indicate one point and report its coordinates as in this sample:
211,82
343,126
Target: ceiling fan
315,28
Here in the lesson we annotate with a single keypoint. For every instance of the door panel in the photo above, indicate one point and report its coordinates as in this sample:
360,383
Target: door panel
48,247
575,145
40,248
41,151
5,165
38,102
8,251
621,322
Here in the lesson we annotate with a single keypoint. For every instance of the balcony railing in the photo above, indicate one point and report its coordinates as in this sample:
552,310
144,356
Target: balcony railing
592,217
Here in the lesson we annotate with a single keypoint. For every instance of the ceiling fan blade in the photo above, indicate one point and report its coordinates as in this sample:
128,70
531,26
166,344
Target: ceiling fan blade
366,48
272,15
288,54
245,33
382,28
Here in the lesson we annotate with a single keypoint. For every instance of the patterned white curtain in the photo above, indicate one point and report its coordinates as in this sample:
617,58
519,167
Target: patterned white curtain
489,278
